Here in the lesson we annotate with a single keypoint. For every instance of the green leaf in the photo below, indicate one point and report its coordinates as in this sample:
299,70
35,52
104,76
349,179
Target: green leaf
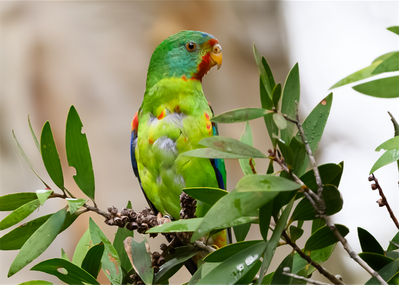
394,280
296,233
111,263
82,248
268,182
324,237
392,143
64,255
233,146
375,260
207,195
36,282
321,255
388,157
381,58
267,104
267,280
280,121
328,174
230,208
50,156
358,75
19,214
391,63
276,94
92,261
75,204
234,267
190,225
317,224
78,153
239,115
265,214
42,195
246,137
248,277
121,235
273,242
392,254
287,153
368,242
382,88
333,201
227,251
313,126
241,231
39,241
33,135
279,277
140,259
395,239
186,225
300,161
265,73
290,98
386,273
16,238
394,29
74,275
27,160
13,201
253,191
169,268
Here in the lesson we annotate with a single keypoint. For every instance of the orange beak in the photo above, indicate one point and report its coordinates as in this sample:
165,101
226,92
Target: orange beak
216,55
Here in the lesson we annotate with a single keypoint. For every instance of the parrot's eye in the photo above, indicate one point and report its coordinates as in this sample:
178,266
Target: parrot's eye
190,46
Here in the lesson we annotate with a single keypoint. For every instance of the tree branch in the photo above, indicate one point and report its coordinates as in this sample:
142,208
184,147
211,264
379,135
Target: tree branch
383,201
319,268
319,205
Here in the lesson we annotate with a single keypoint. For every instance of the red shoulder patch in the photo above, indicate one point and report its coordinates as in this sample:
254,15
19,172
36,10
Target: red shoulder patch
135,122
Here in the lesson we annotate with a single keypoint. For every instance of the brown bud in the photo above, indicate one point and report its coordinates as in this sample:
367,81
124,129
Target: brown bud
163,246
132,215
161,260
371,178
156,255
380,203
153,235
156,269
124,212
134,225
374,186
129,226
125,219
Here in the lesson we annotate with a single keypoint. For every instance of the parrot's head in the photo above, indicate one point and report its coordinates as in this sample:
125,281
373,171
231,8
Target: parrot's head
187,55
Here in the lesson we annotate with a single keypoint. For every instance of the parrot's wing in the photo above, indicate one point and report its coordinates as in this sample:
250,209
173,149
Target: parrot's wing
133,143
218,164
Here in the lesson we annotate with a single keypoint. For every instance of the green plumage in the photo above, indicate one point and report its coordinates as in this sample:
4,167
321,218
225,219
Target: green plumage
173,118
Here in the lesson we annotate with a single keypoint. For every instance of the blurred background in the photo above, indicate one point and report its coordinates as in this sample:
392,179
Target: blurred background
95,54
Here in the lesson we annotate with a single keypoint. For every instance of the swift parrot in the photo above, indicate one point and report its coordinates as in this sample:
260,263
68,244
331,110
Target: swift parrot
173,118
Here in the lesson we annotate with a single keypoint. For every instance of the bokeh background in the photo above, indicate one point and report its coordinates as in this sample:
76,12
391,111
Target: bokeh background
95,55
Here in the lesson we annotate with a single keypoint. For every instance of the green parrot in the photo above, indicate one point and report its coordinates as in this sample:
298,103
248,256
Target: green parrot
172,119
